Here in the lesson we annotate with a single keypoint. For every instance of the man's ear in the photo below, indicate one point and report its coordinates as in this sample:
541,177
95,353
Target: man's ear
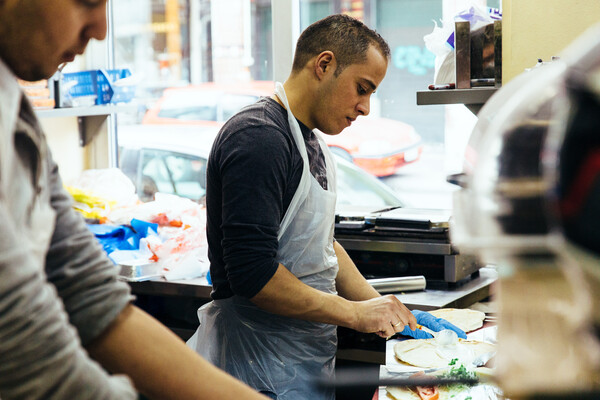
325,64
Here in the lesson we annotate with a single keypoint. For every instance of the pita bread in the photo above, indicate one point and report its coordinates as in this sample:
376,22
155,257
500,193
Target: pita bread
466,319
425,353
402,393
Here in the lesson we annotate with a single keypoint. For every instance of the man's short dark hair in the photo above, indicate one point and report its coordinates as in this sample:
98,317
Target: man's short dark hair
348,39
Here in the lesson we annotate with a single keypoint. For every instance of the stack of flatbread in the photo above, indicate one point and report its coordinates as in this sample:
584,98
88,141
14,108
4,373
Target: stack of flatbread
433,353
429,353
466,319
425,353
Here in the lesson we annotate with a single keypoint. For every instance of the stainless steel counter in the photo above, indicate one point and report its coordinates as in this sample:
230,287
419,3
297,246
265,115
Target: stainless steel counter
458,296
461,295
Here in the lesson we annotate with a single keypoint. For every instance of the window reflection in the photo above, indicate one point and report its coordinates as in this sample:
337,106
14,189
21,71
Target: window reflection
174,43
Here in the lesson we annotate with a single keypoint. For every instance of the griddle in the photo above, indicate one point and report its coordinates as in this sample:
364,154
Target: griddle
403,242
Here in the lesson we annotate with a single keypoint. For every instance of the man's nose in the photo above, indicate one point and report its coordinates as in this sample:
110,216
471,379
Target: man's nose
364,107
97,25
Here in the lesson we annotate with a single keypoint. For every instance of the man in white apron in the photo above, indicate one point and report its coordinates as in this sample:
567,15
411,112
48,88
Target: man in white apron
281,284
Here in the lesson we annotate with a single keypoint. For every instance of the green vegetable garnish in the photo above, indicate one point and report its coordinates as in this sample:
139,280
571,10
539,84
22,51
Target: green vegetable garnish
459,372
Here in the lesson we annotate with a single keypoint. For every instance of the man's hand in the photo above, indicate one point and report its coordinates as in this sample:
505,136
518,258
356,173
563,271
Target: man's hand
384,316
431,322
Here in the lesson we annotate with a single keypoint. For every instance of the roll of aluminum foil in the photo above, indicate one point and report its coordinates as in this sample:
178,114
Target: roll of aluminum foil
398,284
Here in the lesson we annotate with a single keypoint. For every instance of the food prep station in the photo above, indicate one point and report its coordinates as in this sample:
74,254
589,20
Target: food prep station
404,252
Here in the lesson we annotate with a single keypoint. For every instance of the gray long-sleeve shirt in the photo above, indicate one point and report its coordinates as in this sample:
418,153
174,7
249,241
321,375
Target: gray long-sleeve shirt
58,290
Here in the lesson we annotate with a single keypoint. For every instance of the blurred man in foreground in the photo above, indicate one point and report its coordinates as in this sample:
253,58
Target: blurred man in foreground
59,293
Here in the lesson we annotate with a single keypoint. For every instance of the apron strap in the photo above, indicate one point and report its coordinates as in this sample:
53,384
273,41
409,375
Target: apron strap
304,186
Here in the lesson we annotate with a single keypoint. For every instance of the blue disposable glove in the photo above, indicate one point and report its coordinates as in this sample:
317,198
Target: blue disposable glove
416,334
431,322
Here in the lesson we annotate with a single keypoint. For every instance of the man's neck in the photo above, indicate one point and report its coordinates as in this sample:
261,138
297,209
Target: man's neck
299,96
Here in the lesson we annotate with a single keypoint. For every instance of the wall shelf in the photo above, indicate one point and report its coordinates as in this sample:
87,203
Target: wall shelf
89,119
85,111
473,98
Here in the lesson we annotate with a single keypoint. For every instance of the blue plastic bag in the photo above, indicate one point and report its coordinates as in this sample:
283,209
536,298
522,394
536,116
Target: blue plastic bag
122,237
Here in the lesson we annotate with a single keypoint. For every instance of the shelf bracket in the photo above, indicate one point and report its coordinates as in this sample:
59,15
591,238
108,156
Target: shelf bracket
89,126
474,108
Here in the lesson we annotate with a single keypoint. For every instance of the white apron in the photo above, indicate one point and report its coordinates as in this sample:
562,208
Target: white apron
277,355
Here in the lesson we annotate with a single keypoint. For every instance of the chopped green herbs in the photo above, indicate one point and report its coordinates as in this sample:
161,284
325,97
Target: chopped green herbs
459,372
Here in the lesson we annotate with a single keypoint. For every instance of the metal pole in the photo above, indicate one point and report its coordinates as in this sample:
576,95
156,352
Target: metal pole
113,148
286,29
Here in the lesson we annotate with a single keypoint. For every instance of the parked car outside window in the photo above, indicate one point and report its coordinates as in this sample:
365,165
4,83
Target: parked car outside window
378,145
208,104
157,160
161,159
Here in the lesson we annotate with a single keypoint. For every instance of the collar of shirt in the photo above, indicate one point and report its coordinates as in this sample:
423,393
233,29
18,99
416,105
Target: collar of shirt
10,101
17,117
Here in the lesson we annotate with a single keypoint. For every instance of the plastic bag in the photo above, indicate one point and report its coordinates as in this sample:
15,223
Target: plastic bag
97,192
441,41
438,43
180,248
181,253
165,210
122,237
113,237
478,16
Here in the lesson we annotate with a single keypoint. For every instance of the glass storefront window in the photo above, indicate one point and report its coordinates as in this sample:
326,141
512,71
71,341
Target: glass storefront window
212,46
194,63
176,43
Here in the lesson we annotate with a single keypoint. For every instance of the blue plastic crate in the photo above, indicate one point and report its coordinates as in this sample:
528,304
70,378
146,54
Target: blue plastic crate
100,82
